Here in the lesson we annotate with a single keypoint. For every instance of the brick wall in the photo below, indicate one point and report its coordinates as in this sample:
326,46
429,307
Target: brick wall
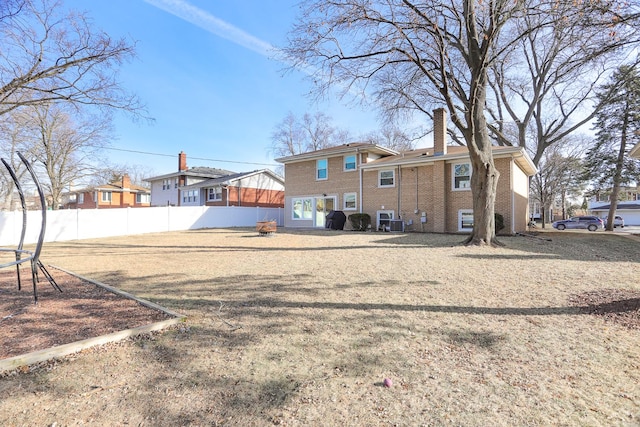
301,180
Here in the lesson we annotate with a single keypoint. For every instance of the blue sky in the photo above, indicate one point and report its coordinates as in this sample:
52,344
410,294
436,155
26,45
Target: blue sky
206,77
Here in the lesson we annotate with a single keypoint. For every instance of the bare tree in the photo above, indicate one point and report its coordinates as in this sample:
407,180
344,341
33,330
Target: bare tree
66,148
417,55
47,57
287,139
311,132
392,137
558,177
110,173
13,137
421,55
547,80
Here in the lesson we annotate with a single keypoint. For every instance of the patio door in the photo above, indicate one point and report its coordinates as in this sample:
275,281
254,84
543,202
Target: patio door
324,205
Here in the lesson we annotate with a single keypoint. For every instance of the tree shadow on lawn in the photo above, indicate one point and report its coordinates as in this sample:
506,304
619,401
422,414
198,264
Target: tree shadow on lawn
249,292
574,246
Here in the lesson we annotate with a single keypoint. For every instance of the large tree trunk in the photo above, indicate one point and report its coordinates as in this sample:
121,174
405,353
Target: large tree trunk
484,176
484,182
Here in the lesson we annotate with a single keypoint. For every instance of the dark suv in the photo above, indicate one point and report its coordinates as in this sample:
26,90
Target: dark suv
591,223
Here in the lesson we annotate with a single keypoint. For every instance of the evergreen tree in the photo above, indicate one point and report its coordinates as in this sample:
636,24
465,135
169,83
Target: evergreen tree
607,163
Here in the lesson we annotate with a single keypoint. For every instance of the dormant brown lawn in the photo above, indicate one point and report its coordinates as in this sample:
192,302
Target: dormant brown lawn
301,328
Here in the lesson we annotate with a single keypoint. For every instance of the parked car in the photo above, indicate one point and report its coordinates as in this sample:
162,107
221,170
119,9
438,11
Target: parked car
591,223
618,221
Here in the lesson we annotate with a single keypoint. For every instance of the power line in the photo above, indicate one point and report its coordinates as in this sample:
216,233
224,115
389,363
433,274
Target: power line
194,158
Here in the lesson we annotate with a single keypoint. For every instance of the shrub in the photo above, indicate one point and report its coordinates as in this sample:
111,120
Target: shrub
499,221
360,221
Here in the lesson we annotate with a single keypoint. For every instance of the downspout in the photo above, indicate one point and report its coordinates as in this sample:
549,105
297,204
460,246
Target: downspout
399,190
513,199
360,179
227,188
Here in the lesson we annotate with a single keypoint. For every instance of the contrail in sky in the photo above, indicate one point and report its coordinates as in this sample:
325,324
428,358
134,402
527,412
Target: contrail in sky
203,19
214,25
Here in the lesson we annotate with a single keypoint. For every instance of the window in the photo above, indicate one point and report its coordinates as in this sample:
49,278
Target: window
81,198
175,183
461,176
349,201
302,208
166,184
190,196
321,169
465,220
350,163
214,194
143,198
106,196
386,178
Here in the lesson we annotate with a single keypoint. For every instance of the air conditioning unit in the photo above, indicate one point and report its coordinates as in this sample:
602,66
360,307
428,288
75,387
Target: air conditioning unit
396,225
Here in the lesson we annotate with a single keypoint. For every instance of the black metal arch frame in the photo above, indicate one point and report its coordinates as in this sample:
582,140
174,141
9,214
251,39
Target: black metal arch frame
20,252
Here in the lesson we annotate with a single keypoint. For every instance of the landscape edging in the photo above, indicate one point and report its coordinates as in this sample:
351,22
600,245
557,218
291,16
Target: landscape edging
27,359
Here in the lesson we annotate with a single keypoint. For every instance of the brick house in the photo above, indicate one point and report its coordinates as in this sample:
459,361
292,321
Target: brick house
203,186
426,190
117,194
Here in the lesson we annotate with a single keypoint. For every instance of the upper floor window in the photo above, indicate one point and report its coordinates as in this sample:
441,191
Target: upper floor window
166,184
175,183
386,178
461,176
106,196
214,194
321,169
350,163
350,201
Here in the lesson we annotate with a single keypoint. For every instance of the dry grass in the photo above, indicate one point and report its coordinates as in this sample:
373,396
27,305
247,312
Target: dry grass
301,328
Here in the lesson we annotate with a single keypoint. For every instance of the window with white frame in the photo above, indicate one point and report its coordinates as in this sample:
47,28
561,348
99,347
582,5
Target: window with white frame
461,176
190,196
386,178
175,183
143,198
350,201
106,196
350,163
214,194
166,184
302,208
81,198
321,169
465,220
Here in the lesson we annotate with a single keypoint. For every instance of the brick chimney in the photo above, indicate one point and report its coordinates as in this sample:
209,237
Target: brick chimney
182,162
439,132
126,181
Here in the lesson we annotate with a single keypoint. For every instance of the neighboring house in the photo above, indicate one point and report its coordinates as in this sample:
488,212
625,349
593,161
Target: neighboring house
420,190
628,206
202,186
118,194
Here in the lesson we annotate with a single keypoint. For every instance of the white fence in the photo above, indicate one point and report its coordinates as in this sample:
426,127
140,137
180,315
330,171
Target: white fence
76,224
